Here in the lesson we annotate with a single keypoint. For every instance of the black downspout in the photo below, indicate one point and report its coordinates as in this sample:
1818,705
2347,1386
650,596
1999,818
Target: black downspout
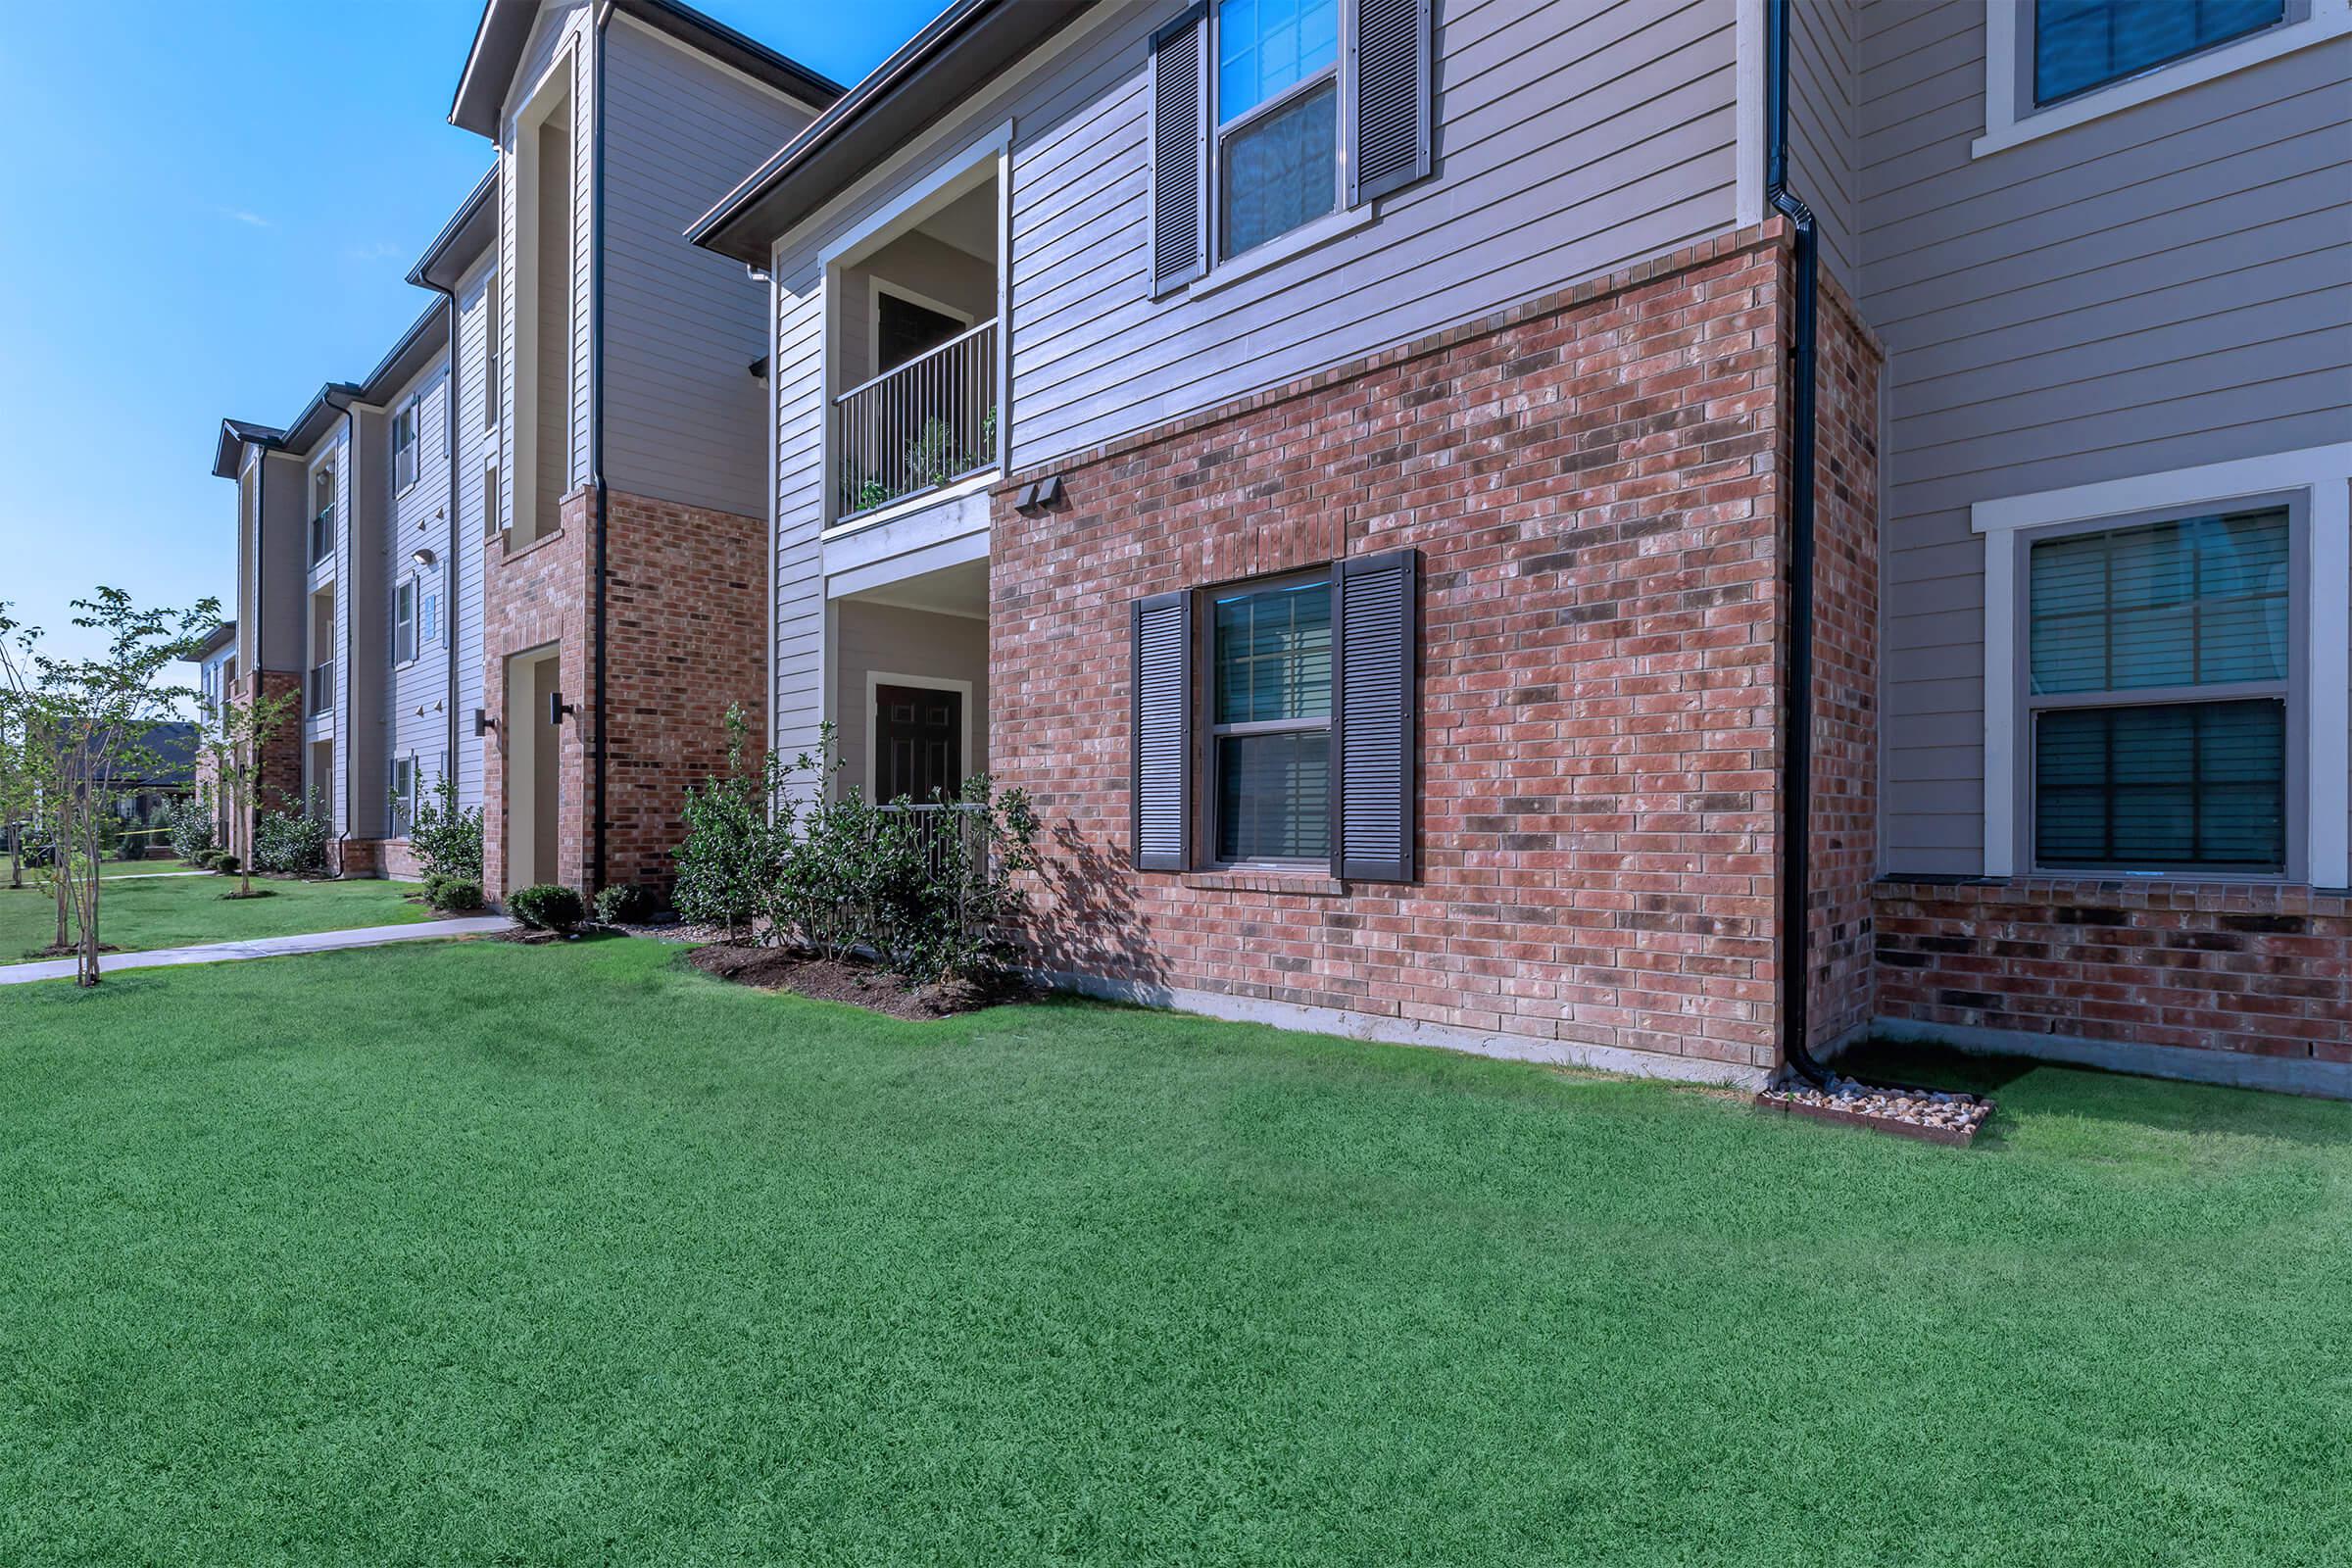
596,429
448,561
1796,738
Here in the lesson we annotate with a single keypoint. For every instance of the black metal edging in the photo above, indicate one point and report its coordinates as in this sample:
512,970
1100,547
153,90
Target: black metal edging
596,434
1797,742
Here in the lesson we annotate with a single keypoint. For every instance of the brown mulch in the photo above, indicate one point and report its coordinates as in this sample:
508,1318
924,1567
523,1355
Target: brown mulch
531,937
67,952
861,985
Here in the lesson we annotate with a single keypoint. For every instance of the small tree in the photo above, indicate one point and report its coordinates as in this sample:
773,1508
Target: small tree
241,737
93,717
17,800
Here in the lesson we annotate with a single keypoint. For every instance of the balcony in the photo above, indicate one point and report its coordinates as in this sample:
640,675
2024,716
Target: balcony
918,426
323,535
318,689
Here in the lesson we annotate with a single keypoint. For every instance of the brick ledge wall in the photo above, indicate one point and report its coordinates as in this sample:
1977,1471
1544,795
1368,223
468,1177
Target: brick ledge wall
2252,967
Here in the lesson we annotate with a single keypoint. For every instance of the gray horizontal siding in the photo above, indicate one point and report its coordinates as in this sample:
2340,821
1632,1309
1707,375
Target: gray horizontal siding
682,411
474,444
1571,140
2157,289
1822,66
414,721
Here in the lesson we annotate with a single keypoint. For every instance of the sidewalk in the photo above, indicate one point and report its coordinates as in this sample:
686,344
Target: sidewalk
369,936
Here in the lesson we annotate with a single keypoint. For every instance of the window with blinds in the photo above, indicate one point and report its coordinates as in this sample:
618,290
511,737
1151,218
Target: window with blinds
1271,722
2082,44
2160,665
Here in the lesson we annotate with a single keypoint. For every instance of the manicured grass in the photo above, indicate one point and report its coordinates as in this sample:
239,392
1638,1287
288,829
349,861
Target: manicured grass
145,867
479,1253
182,911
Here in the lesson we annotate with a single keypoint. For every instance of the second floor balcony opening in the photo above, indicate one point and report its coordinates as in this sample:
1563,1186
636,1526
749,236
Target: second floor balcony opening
916,353
322,516
319,683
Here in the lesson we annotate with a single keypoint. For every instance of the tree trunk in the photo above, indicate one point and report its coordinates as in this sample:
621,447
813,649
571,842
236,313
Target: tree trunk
61,854
85,971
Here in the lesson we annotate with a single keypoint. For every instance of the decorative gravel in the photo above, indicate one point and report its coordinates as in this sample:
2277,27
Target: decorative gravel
1915,1108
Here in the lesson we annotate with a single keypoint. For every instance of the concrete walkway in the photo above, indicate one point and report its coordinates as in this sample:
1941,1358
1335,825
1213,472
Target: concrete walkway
150,876
367,936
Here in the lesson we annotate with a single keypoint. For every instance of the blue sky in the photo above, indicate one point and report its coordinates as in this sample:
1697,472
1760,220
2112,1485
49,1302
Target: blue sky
208,210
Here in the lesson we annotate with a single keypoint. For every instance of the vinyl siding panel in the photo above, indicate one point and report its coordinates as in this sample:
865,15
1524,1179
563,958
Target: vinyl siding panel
416,718
682,327
1570,140
475,444
1822,61
2157,289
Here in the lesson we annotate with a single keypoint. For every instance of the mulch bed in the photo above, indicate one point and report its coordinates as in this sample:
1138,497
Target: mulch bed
861,985
65,951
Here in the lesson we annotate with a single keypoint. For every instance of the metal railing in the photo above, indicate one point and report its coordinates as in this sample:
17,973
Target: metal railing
318,689
323,535
928,423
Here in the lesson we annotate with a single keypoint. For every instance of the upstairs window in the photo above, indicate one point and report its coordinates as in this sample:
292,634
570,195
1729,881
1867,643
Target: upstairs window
403,446
2159,672
404,621
1277,102
428,609
322,516
1262,123
2082,44
491,390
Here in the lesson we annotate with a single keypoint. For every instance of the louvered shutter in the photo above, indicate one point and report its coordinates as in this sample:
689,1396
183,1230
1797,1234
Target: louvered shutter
1180,151
1163,667
1377,602
1392,48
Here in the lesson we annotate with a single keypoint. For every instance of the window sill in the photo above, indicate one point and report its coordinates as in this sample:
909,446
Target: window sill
1274,252
2330,18
1315,884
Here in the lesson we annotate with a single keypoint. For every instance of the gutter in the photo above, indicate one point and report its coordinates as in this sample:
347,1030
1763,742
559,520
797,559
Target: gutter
596,436
1796,736
448,561
346,577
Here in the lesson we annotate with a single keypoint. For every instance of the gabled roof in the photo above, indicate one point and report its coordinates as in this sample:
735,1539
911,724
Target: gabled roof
931,73
221,636
411,354
229,454
506,31
470,231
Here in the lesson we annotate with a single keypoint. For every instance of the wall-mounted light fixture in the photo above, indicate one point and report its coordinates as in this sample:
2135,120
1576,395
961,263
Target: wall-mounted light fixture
557,707
483,723
422,556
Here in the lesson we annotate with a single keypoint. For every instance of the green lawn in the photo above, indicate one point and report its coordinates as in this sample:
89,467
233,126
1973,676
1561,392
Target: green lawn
482,1253
143,867
176,912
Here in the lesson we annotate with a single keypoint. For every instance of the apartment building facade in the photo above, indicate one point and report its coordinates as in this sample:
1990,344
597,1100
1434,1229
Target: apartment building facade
1387,480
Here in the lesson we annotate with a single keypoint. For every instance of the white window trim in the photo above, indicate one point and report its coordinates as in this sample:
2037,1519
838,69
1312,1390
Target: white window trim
411,409
2010,123
875,680
2324,475
415,590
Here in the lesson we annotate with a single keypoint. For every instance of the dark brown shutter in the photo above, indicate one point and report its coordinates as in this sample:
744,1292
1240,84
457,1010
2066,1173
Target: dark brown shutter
1180,151
1393,76
1163,668
1378,608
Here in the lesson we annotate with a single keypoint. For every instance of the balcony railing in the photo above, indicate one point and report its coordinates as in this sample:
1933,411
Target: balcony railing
318,690
323,535
928,423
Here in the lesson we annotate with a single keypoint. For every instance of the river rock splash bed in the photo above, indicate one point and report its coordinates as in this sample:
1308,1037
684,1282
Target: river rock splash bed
1934,1115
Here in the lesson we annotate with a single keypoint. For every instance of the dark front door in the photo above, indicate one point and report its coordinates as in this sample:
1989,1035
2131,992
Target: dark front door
918,742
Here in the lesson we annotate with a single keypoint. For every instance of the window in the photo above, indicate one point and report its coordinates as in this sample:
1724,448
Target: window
404,621
2159,660
1275,722
2082,44
1277,107
404,795
404,445
490,512
428,609
322,516
491,390
1262,123
1270,720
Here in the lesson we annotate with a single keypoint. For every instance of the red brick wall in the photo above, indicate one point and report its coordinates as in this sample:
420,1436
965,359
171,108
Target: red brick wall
1591,481
278,779
1845,670
2251,968
533,597
685,635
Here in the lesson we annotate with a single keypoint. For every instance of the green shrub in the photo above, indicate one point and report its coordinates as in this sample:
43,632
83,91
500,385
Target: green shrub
445,837
194,833
625,903
291,843
546,907
458,895
224,863
728,862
